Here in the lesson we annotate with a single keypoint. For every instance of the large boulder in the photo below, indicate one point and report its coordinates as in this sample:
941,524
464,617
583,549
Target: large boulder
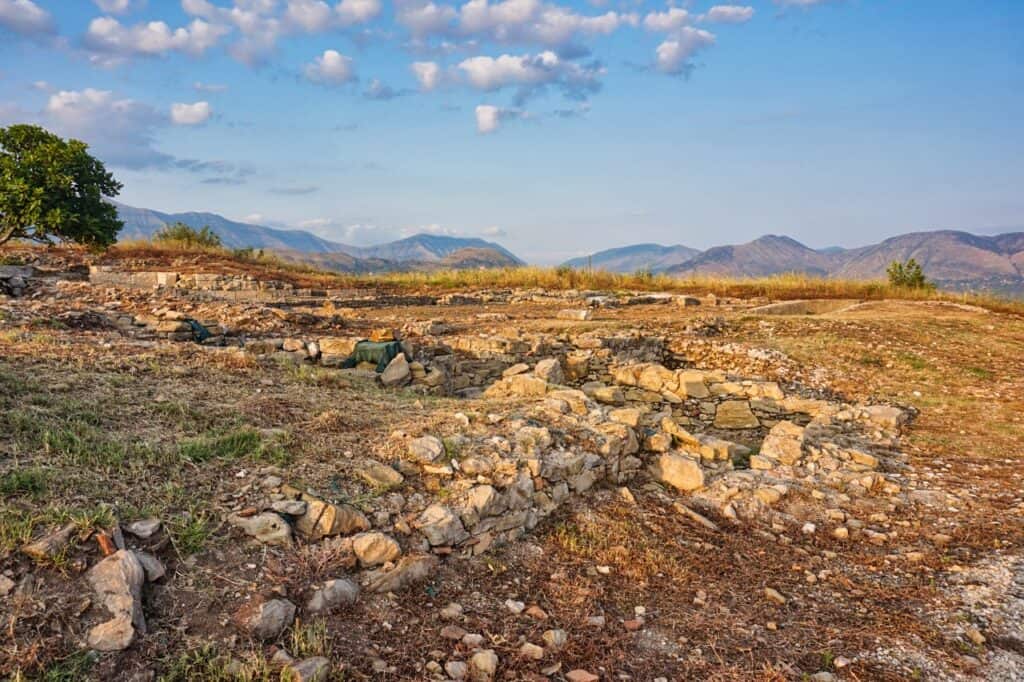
678,471
397,373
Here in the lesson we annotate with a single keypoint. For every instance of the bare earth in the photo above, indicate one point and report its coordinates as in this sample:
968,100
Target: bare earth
563,532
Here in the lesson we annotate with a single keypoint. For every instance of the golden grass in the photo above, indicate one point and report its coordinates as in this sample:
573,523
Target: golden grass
780,287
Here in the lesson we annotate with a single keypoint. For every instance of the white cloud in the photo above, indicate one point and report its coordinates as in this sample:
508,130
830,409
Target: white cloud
309,15
428,74
25,17
107,34
357,11
489,117
121,132
494,231
331,68
671,20
424,19
673,55
530,71
729,14
253,218
800,3
113,6
190,114
533,21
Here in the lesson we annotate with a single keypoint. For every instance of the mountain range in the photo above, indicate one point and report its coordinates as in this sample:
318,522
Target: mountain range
953,259
420,251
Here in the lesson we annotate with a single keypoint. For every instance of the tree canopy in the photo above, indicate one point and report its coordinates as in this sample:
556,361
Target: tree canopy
52,188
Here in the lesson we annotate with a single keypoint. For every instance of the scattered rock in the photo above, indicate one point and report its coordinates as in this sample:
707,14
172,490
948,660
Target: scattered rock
52,545
374,549
333,595
265,620
323,519
440,526
378,475
144,529
550,370
411,569
426,450
268,528
580,675
773,595
315,669
117,580
483,665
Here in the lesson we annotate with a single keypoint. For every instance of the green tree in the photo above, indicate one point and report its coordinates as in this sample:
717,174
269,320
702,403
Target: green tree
185,235
908,275
51,188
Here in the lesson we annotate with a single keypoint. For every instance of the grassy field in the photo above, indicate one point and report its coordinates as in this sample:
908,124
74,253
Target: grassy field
780,287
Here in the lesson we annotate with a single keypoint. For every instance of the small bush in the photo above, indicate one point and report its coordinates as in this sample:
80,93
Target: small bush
30,482
180,233
907,275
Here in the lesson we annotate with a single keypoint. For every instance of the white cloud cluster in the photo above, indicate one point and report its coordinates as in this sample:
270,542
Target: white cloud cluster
428,75
670,20
673,55
528,72
25,17
113,6
330,68
110,36
489,117
729,14
190,114
507,21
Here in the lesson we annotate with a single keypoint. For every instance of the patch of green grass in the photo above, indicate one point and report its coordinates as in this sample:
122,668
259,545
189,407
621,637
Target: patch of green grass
980,372
16,528
27,481
310,639
244,442
916,362
190,531
871,360
71,669
209,665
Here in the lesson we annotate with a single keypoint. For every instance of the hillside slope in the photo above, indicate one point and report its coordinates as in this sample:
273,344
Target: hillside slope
946,256
635,257
766,255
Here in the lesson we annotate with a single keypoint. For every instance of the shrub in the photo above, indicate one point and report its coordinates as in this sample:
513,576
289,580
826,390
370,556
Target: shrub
180,233
907,275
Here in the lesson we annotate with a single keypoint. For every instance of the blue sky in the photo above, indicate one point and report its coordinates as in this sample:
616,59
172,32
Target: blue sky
555,128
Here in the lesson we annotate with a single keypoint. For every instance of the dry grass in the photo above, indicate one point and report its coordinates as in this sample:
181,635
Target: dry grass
267,265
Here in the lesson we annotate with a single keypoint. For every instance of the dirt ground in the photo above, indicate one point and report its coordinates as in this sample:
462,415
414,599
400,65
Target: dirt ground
90,422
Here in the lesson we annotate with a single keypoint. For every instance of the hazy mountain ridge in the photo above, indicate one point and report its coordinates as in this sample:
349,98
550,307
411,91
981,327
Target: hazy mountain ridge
421,251
954,259
635,257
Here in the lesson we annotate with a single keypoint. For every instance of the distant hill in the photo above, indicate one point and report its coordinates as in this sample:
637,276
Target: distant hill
953,259
945,255
635,257
766,255
428,248
142,223
421,251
